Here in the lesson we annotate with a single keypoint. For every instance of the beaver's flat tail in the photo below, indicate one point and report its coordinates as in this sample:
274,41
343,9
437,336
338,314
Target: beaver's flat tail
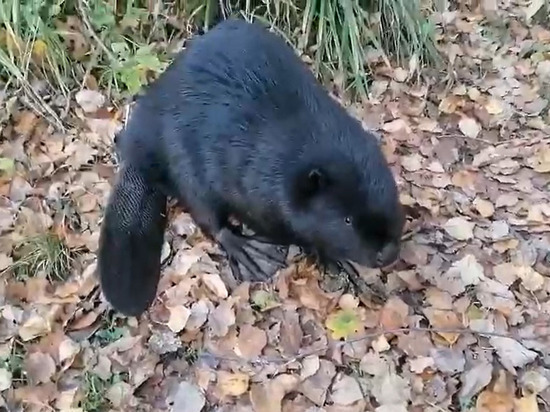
130,243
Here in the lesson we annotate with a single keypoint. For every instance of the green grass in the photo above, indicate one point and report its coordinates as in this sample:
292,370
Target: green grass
125,45
14,363
338,34
109,332
45,254
94,393
94,390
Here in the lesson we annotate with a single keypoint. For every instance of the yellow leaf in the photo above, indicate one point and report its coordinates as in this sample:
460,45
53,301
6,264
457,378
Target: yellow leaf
39,49
343,323
232,384
541,161
527,404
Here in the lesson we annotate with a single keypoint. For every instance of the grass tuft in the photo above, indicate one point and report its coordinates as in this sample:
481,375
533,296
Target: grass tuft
45,254
94,393
62,44
339,35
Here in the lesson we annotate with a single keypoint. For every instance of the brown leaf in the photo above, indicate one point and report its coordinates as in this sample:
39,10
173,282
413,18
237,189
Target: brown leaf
221,318
251,342
489,401
34,327
444,319
25,123
39,367
268,397
315,388
291,332
394,314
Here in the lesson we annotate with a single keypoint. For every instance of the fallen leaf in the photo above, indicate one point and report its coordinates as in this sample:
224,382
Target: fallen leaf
475,379
527,404
188,398
89,100
221,318
511,352
530,278
179,315
199,315
484,207
251,342
381,344
507,200
412,163
420,364
39,367
444,319
533,8
489,401
459,228
232,384
34,327
343,323
493,106
5,261
315,388
268,397
215,283
394,314
68,349
346,391
541,161
534,382
310,366
471,272
448,360
119,393
391,389
5,379
469,127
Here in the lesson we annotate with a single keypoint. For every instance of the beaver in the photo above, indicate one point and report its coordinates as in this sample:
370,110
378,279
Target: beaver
238,126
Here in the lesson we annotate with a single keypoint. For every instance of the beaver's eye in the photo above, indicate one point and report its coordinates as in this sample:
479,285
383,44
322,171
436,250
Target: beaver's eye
348,220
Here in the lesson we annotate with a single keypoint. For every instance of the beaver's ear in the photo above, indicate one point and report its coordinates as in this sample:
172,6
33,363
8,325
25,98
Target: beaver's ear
308,183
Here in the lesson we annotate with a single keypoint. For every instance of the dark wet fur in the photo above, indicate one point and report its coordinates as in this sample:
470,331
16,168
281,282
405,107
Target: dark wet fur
237,125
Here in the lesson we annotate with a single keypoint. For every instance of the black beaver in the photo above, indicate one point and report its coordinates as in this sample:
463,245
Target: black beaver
238,126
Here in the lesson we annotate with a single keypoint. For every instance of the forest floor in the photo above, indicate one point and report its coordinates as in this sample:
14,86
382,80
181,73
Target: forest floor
466,322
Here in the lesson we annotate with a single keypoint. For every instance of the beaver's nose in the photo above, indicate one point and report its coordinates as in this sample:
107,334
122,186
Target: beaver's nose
388,254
